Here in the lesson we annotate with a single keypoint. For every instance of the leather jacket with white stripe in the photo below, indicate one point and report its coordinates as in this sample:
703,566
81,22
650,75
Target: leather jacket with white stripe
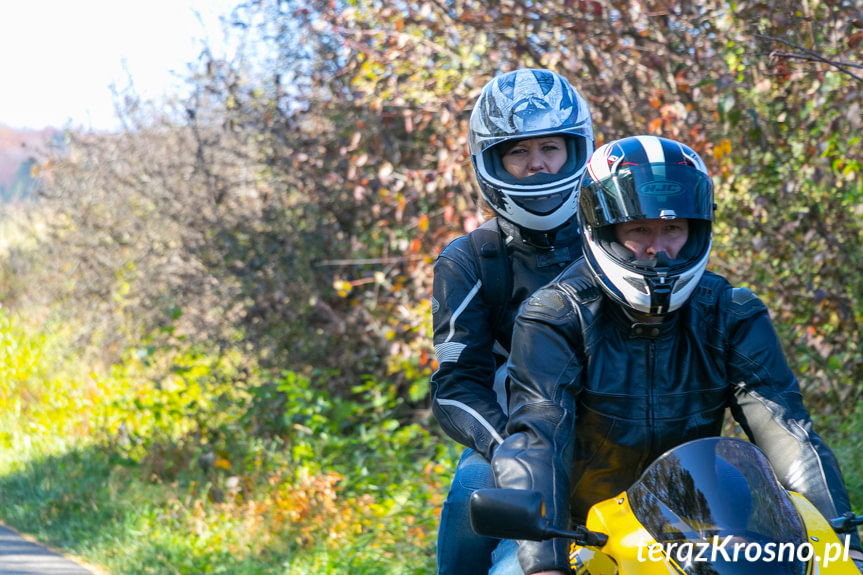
470,343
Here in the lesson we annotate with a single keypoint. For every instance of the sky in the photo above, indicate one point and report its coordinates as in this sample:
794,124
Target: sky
58,58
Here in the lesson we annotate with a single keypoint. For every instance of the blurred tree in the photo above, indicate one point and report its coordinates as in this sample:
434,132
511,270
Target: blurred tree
22,185
295,201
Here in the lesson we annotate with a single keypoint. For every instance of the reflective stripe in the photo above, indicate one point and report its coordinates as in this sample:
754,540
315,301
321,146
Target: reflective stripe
471,294
475,414
448,351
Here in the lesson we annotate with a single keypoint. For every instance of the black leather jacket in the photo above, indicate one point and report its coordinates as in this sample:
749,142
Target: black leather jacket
469,344
595,397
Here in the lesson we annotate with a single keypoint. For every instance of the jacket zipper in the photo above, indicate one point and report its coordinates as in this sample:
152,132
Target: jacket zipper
651,374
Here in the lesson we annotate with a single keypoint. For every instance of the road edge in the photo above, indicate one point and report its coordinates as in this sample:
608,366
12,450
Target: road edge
95,569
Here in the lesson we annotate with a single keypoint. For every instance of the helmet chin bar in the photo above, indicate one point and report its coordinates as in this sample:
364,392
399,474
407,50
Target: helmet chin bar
524,219
654,293
660,288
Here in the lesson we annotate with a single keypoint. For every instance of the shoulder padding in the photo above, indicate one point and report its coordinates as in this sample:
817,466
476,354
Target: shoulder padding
743,302
547,303
578,281
584,290
458,250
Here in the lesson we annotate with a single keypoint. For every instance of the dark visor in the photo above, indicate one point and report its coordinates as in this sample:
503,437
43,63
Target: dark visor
648,192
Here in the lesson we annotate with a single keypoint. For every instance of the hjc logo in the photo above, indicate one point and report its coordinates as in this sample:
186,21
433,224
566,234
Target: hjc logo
661,188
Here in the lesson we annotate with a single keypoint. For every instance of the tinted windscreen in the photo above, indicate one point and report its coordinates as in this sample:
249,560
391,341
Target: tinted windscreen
709,490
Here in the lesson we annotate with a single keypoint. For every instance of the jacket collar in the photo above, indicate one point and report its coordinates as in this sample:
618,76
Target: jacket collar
640,327
567,235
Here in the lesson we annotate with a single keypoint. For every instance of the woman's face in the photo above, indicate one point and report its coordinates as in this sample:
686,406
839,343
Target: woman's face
545,154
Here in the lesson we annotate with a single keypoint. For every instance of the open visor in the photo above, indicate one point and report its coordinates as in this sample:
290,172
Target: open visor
648,191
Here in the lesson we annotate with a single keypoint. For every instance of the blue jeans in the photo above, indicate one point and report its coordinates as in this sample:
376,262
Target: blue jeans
505,559
460,551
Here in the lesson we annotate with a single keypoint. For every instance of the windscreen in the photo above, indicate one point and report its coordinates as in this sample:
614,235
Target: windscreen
716,508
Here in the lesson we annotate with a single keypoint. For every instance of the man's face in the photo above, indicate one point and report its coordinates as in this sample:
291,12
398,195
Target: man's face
646,238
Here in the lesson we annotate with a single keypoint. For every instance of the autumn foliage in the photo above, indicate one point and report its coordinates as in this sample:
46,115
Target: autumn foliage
290,209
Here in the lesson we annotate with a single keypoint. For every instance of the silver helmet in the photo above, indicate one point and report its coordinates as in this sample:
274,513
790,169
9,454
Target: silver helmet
639,178
525,104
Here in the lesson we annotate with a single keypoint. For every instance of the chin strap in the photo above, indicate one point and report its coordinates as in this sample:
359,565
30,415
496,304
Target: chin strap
640,318
539,239
544,240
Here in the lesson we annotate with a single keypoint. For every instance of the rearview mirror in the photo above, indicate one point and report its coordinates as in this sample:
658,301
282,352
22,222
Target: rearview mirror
508,514
520,514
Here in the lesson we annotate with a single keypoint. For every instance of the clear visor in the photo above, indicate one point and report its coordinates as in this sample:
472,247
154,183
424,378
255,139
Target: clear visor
480,142
648,191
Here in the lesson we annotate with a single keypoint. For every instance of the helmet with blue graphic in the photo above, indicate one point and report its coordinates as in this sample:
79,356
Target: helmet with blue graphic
527,104
646,178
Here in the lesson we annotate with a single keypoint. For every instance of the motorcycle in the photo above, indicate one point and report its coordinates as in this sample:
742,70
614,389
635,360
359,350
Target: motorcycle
711,506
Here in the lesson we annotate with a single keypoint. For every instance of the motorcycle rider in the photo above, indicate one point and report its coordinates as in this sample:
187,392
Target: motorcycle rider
637,348
530,137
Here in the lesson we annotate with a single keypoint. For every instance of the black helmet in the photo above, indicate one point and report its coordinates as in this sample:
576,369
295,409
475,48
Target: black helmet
528,104
639,178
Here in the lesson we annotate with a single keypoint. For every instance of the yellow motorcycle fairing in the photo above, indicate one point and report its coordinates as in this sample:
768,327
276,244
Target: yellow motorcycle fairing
614,516
823,540
701,495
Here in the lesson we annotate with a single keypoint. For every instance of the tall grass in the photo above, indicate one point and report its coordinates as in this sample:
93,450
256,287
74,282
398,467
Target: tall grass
214,469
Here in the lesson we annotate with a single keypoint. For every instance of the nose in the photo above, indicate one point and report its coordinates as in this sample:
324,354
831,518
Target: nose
655,245
536,162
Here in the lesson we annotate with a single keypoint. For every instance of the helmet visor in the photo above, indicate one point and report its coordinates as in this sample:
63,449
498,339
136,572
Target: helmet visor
648,191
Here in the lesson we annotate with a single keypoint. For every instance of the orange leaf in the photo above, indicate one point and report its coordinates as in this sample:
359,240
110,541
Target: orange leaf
448,213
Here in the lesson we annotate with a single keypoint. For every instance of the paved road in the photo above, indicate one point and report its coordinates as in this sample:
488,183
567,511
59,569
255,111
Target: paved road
19,556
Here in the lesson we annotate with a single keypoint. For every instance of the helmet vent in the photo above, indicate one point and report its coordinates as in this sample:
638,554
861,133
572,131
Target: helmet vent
638,283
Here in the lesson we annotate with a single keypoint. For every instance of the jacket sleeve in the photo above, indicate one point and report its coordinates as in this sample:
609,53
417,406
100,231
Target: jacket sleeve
768,405
544,371
463,396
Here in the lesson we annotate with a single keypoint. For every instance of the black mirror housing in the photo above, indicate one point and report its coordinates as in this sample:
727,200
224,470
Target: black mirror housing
508,514
520,514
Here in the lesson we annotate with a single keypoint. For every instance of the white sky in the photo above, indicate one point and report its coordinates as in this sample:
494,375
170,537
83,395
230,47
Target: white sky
58,58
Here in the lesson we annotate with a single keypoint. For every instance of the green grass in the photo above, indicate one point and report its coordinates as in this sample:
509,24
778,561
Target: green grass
204,471
141,475
87,502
